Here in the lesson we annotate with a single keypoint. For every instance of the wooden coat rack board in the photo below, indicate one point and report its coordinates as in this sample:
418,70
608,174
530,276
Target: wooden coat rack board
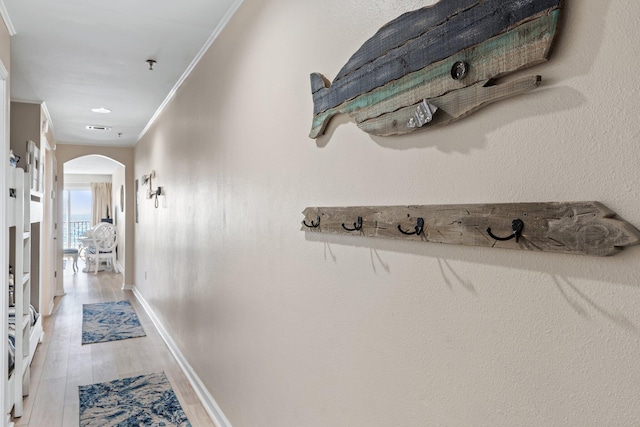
586,228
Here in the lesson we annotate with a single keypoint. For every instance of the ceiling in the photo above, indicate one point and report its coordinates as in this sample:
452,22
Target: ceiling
77,55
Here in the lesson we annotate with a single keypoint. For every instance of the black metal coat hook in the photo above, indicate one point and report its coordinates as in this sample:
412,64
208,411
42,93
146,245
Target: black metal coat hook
517,225
419,228
357,226
313,224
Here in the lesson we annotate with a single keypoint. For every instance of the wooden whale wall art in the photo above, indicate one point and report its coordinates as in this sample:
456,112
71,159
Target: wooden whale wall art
437,64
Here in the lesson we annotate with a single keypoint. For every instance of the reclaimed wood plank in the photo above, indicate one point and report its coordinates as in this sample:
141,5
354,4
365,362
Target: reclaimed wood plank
587,228
451,107
406,27
489,18
517,49
521,47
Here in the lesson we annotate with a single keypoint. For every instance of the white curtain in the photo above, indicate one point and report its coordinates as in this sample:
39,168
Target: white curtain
101,197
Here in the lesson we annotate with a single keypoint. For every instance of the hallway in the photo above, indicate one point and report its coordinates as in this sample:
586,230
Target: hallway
61,363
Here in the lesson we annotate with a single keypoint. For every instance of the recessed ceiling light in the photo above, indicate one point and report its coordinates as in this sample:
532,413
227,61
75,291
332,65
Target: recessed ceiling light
101,110
102,128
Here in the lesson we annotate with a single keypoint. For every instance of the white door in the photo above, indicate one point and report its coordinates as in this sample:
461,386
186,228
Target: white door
49,236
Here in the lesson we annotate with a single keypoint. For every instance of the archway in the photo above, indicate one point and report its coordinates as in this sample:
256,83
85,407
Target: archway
91,193
84,158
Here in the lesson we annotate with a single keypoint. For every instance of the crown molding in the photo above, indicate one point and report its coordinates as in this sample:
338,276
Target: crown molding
26,101
223,23
48,116
4,13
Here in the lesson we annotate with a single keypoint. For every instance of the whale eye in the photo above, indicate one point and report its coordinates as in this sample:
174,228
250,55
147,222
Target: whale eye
459,70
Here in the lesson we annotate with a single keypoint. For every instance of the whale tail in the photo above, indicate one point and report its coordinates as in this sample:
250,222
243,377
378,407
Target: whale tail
318,82
319,85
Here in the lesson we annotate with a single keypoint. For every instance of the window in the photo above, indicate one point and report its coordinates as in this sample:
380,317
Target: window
77,216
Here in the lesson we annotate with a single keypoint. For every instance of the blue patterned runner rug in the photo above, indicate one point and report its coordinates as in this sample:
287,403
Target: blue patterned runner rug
147,400
109,321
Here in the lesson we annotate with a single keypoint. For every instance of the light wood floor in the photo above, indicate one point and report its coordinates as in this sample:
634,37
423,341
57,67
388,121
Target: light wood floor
61,363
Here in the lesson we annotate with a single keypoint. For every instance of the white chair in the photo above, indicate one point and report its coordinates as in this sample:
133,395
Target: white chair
102,246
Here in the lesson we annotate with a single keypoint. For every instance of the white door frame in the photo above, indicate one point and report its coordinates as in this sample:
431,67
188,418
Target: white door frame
4,238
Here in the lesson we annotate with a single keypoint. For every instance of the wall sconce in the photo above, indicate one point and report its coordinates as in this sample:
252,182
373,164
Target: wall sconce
152,193
147,178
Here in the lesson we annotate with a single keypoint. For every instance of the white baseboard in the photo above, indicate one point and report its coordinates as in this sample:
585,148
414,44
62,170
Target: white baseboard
124,287
208,402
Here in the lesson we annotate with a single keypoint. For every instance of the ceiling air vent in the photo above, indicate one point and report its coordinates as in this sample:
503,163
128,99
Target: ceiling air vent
101,128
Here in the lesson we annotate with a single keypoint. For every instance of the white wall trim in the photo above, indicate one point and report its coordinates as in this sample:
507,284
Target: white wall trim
124,287
4,73
216,32
26,101
48,117
208,402
4,232
7,19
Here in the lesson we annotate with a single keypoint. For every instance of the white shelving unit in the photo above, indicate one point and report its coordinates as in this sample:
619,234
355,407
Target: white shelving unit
10,390
27,336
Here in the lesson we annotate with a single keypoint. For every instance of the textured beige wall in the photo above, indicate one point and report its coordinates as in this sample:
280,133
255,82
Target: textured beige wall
25,126
292,330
